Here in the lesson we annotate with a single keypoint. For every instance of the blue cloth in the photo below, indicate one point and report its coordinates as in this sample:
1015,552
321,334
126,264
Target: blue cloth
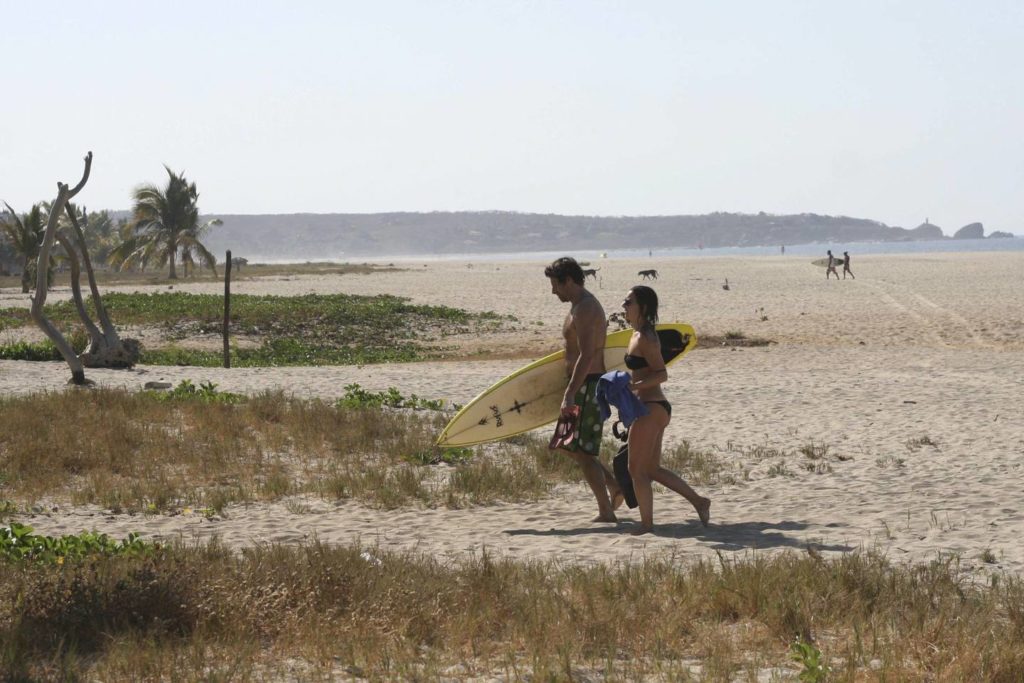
613,390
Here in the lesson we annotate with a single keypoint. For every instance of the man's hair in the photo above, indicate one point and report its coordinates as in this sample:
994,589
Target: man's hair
565,267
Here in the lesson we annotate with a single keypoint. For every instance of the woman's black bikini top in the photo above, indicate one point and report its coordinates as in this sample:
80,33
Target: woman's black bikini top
635,362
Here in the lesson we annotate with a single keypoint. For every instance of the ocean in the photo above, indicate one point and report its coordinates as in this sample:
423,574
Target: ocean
1015,244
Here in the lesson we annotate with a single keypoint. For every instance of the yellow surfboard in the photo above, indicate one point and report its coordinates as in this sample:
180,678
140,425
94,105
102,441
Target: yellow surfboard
531,396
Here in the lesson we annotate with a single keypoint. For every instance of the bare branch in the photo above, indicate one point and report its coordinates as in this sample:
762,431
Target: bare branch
42,272
85,176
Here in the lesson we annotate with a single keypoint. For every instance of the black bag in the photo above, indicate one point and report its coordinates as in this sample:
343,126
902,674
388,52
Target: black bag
620,466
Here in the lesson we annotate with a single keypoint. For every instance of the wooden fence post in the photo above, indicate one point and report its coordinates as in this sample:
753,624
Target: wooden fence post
227,308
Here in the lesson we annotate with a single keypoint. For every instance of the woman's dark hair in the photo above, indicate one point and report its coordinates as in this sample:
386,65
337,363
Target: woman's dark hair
565,267
647,300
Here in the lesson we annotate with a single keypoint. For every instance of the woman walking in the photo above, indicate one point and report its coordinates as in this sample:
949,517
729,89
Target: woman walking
645,363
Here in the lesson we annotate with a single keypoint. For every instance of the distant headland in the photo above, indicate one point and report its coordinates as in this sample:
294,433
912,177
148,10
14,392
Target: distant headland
305,236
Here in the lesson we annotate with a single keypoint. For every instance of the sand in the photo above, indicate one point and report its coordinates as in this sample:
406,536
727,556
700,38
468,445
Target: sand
910,380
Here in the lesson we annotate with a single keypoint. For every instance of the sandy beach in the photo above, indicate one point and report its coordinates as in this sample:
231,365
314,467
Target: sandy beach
908,380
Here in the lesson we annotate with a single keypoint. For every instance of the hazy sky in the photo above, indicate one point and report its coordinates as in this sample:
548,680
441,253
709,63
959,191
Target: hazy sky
891,110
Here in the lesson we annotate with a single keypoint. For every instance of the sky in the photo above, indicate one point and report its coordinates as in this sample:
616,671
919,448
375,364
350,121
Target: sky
891,110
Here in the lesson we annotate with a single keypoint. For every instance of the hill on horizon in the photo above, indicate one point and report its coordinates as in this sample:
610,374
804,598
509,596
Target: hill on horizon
309,236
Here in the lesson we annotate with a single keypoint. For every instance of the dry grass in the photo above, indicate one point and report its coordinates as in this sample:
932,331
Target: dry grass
171,454
206,613
207,454
316,612
700,468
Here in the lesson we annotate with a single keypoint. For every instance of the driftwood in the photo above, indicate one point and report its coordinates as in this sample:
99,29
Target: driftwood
105,348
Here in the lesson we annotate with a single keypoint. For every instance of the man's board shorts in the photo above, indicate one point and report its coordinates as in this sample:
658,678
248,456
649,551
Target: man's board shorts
591,426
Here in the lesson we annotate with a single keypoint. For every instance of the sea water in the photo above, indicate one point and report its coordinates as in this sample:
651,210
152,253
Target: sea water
1011,244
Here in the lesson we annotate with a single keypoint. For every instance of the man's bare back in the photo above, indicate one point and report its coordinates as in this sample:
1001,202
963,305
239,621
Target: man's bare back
585,319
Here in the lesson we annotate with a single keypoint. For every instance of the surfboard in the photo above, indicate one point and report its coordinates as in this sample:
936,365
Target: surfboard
531,396
823,262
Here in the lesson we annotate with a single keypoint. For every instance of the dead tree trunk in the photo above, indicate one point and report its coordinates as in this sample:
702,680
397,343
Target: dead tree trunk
64,194
106,348
76,291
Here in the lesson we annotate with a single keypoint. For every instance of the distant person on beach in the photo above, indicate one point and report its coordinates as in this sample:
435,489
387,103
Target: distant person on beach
584,333
645,362
831,268
783,247
846,265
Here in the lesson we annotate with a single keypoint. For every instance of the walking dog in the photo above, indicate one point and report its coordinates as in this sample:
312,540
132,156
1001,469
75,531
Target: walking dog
590,272
651,274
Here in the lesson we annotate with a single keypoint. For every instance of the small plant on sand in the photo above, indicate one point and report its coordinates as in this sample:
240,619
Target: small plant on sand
810,658
357,397
17,542
813,451
918,444
7,510
735,334
436,456
206,392
989,557
616,321
890,461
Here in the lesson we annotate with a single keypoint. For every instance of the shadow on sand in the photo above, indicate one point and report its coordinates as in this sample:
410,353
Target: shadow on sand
731,537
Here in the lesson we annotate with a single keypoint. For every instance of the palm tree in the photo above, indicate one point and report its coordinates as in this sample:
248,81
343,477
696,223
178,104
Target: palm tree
165,223
25,233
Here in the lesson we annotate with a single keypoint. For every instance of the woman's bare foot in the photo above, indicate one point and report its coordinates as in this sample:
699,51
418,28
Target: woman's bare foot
641,530
610,518
704,511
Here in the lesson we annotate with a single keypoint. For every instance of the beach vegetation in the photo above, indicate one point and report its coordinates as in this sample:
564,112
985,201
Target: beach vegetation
198,447
357,397
19,543
917,444
731,338
314,329
891,461
205,391
313,611
164,228
699,467
23,234
810,659
815,451
106,275
779,469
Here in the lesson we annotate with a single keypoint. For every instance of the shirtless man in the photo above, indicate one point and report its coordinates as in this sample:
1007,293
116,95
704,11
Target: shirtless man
846,265
831,267
584,331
